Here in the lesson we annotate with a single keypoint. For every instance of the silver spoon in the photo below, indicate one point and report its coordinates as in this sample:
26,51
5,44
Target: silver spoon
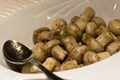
18,54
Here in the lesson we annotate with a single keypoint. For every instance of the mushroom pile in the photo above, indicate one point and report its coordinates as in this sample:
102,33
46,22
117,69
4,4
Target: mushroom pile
86,39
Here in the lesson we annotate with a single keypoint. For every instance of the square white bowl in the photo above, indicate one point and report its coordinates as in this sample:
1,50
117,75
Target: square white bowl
19,20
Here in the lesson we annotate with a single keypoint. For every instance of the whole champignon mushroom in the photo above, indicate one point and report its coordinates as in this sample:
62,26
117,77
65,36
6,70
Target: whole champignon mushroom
98,21
81,24
77,53
91,28
50,44
69,65
58,23
58,53
59,26
46,35
103,55
92,43
114,26
87,14
105,38
69,42
37,32
90,57
113,47
50,63
73,30
39,51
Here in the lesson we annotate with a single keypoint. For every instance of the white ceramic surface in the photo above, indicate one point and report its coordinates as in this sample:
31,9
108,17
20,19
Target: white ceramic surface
19,18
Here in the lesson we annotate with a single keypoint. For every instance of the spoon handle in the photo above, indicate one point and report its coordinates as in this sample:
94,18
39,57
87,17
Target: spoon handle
49,74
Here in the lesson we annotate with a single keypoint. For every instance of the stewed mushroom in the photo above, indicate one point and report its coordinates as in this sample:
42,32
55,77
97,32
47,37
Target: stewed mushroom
84,40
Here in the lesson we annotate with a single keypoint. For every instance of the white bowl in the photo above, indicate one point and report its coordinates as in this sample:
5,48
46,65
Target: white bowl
19,19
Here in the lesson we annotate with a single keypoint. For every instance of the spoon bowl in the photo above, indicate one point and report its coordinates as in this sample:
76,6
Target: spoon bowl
16,54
